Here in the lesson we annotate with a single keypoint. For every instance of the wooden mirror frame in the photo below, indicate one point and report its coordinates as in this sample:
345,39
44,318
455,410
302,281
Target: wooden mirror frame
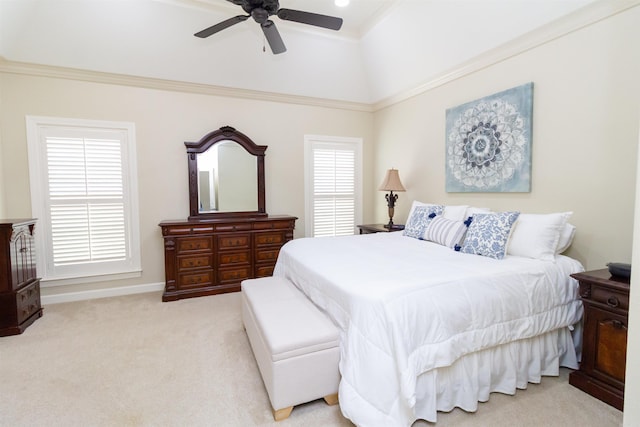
225,133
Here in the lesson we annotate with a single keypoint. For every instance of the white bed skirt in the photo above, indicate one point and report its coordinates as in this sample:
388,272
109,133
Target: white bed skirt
499,369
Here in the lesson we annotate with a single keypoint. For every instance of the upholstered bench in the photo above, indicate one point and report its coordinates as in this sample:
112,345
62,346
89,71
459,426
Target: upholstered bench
294,343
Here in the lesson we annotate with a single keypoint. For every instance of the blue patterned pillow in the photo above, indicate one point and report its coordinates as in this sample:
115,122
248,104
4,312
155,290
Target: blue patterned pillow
488,234
420,218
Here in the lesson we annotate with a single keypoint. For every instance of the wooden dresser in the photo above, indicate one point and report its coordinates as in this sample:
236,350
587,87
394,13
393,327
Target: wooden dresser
604,347
205,257
19,286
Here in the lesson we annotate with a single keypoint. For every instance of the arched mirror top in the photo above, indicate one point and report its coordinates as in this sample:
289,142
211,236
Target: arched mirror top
223,134
226,176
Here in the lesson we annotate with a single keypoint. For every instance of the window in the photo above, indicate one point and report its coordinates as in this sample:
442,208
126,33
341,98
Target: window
333,185
84,194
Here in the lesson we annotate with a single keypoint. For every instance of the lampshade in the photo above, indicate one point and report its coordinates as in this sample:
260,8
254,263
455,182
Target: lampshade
391,181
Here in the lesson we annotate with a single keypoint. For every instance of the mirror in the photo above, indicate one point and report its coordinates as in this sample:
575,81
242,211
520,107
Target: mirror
226,175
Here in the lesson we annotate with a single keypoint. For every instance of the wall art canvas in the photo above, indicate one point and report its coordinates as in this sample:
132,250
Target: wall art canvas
488,143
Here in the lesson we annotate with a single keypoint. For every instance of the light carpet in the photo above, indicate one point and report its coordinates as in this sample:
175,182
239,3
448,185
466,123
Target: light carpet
136,361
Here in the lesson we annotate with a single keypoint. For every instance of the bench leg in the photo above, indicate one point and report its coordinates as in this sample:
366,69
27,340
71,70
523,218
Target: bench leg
332,399
282,414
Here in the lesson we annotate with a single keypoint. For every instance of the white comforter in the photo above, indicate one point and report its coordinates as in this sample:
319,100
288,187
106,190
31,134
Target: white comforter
407,306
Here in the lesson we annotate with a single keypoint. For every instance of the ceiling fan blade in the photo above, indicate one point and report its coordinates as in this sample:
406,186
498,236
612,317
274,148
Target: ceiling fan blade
220,26
273,37
316,19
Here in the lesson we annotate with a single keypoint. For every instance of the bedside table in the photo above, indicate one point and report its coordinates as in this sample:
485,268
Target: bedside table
604,340
378,228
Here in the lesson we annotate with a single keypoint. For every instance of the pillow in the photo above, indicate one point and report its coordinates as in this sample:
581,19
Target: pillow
414,205
445,231
419,219
471,211
488,234
454,212
566,238
537,235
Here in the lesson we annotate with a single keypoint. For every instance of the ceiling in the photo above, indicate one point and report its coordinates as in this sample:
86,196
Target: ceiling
384,48
358,17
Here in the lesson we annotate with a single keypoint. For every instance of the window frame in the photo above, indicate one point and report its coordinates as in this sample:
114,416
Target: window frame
38,128
319,141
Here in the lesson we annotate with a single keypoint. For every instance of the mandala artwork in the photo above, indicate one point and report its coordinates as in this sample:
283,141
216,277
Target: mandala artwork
488,147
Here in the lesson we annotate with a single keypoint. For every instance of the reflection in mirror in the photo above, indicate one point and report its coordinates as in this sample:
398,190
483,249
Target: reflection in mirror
226,176
227,179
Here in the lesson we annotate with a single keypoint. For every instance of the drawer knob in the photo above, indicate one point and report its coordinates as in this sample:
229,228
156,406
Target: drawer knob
618,324
612,301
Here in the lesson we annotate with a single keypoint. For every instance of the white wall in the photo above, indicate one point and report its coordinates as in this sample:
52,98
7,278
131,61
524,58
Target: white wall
585,129
164,120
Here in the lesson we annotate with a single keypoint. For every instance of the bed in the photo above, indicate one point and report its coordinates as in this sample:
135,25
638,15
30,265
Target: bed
425,328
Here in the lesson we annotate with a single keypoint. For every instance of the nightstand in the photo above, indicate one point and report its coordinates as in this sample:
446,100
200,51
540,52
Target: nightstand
604,339
378,228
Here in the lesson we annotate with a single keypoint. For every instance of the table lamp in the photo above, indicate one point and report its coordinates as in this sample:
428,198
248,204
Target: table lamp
391,183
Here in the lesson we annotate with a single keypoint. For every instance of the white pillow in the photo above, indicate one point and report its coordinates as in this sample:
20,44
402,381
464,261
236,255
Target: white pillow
537,235
566,238
445,231
453,212
472,210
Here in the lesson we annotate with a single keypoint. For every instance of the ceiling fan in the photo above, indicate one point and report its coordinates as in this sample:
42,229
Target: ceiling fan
261,10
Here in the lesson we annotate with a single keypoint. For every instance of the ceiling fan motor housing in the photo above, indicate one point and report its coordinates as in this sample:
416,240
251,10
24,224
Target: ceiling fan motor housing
268,6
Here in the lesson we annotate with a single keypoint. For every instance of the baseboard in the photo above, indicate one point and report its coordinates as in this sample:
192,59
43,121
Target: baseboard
101,293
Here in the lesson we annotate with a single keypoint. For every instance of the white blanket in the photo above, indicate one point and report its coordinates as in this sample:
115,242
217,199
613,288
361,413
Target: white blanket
406,307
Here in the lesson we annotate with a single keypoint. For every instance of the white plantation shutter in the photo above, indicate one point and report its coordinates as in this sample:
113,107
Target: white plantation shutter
85,194
333,186
86,200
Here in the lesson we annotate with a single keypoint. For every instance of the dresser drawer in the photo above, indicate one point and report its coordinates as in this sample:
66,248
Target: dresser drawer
610,298
233,227
28,301
264,270
234,241
267,238
232,258
270,225
195,261
234,275
186,244
267,254
195,279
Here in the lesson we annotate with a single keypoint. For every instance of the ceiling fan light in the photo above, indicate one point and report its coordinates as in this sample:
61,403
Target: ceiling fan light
341,3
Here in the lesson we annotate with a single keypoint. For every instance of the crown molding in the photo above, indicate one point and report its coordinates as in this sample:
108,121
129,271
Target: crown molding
39,70
584,17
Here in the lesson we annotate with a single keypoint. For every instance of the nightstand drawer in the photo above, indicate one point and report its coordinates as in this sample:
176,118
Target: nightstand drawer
610,298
